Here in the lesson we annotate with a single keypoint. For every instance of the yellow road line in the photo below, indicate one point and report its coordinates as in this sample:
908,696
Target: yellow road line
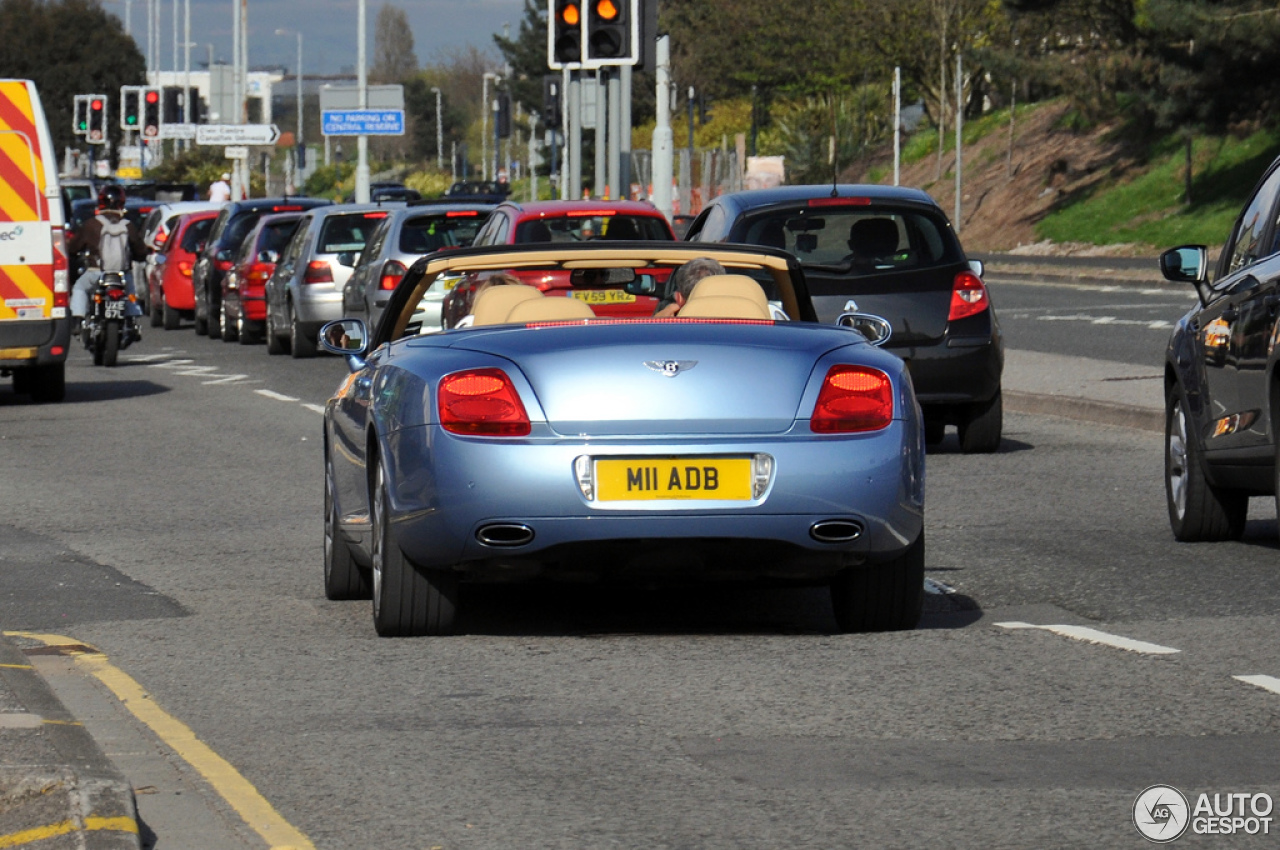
225,779
17,666
91,824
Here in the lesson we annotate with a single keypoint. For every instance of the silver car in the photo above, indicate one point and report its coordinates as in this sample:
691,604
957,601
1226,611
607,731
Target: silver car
404,236
306,289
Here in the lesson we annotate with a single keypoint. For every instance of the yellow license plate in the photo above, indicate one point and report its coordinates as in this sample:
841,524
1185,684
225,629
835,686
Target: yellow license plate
448,283
603,296
18,353
685,478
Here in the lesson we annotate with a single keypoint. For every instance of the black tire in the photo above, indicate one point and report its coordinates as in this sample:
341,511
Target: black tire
980,429
881,597
343,578
24,381
275,343
110,343
300,345
1197,509
172,318
98,347
157,314
47,384
202,325
226,329
406,601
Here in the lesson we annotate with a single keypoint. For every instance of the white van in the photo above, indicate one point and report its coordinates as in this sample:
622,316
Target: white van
35,322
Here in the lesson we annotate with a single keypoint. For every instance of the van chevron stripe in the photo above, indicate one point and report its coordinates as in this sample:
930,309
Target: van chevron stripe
15,109
8,289
20,200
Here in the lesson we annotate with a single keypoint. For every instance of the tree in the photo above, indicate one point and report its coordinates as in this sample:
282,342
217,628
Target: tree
68,47
393,58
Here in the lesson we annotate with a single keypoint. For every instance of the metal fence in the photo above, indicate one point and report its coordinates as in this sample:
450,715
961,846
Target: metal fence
699,176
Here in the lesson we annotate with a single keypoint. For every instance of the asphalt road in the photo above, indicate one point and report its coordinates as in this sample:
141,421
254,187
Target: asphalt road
169,513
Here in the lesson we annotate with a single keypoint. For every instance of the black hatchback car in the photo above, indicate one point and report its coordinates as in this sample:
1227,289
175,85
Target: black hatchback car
889,251
1222,375
218,254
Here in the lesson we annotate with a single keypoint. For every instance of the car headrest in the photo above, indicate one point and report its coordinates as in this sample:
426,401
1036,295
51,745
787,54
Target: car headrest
536,231
732,285
550,310
621,228
773,235
493,305
724,307
873,237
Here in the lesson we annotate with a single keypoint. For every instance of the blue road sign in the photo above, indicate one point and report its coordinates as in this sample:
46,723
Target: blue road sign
362,122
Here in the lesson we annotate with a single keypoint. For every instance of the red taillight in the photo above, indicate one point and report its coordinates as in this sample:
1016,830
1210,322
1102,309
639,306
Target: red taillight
461,214
482,402
185,267
591,213
375,215
223,265
260,272
391,274
853,398
286,208
318,271
968,296
116,294
161,238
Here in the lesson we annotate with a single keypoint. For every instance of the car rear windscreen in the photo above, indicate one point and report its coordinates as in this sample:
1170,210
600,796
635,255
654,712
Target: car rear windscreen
428,233
592,227
347,232
197,232
864,237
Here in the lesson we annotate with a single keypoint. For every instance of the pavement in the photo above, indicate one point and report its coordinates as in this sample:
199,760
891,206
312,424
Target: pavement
59,790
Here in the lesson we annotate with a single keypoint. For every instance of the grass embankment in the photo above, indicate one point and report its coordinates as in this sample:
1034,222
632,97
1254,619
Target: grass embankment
1148,207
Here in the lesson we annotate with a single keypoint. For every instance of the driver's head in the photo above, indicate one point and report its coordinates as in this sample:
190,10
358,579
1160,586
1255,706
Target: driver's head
111,197
692,272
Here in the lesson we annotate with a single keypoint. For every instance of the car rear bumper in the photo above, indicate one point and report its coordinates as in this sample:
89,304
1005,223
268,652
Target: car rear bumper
312,309
955,370
34,342
448,494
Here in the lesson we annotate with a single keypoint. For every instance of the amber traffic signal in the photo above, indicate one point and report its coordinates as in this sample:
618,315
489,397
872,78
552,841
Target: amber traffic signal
564,36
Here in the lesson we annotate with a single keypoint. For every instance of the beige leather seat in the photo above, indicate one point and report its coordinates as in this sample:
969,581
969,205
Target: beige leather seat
550,310
493,306
727,296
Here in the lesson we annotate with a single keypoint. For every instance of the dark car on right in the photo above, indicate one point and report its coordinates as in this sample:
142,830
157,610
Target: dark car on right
1222,375
218,254
890,251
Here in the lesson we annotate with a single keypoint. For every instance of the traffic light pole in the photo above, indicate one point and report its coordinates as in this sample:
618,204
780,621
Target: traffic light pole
624,137
574,132
600,179
615,135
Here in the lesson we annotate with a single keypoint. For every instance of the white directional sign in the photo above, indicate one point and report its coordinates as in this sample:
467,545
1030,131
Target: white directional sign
362,122
237,134
236,152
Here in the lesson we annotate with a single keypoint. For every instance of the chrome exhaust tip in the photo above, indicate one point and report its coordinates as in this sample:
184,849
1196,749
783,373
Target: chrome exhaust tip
505,534
835,531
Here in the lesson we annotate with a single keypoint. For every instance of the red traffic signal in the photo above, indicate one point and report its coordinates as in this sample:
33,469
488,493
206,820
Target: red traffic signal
95,105
153,96
151,117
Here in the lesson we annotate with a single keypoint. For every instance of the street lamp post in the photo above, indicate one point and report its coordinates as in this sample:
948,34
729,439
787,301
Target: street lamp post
362,142
297,141
484,123
439,132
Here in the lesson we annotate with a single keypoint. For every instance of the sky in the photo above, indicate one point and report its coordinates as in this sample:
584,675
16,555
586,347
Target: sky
328,29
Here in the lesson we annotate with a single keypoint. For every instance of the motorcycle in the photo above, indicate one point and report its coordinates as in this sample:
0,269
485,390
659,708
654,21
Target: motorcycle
108,326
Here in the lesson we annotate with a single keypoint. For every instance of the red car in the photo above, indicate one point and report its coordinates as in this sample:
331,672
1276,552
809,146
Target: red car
244,295
514,223
169,286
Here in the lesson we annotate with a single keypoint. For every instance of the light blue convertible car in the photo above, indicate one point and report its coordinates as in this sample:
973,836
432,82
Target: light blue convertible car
739,439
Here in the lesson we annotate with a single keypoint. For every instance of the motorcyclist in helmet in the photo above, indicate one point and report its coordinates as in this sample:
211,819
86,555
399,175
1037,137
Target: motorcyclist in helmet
109,224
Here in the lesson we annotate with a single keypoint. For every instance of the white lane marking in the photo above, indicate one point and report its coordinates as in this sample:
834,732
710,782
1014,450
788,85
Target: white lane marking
275,395
938,588
1106,320
1094,636
319,408
146,358
229,379
1267,683
172,364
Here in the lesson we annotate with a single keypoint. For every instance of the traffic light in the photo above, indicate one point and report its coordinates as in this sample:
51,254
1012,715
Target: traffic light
564,33
551,101
610,25
130,107
80,123
503,117
97,130
151,112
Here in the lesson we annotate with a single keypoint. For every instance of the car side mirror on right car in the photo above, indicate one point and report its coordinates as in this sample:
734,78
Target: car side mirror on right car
1188,264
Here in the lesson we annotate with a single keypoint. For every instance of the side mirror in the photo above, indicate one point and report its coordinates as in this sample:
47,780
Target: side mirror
347,258
345,336
160,258
1188,264
977,267
269,256
876,330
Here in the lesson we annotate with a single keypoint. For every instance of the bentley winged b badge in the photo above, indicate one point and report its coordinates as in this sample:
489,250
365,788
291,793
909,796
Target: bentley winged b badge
671,368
